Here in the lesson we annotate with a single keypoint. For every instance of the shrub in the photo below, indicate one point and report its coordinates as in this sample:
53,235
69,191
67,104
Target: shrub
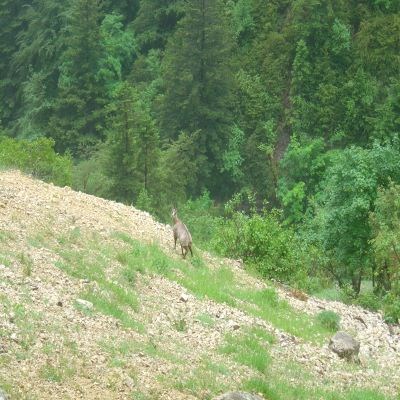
38,158
369,300
261,241
89,177
145,202
201,217
329,320
391,308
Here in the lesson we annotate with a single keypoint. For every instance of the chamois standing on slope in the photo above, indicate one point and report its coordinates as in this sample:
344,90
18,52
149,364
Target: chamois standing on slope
182,233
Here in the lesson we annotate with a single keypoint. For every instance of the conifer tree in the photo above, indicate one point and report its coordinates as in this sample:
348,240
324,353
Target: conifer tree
119,47
10,26
78,120
133,145
300,90
198,84
37,60
155,22
147,138
121,145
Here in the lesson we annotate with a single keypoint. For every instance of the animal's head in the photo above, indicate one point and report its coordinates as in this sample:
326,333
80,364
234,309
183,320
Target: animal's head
174,213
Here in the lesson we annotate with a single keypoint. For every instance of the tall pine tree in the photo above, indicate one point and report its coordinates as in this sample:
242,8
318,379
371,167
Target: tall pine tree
155,22
198,80
132,145
11,24
40,47
78,119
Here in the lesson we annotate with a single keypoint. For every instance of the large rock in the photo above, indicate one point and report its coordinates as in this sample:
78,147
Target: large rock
345,346
238,396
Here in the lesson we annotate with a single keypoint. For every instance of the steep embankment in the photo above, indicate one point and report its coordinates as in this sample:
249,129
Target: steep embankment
154,326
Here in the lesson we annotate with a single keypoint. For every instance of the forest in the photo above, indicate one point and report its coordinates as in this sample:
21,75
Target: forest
273,125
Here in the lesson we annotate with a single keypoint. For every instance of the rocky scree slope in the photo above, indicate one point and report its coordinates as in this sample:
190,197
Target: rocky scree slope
54,347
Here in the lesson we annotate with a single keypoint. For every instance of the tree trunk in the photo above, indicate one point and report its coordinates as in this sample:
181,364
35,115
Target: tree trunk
356,282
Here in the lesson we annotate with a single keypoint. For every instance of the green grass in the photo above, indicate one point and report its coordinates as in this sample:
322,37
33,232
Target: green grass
221,286
113,308
202,381
71,237
275,388
27,323
250,349
180,325
113,298
6,387
57,371
5,260
26,263
6,236
41,238
332,294
217,285
120,351
206,320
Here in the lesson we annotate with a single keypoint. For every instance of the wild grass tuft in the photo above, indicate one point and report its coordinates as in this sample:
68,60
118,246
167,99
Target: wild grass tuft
120,351
27,323
247,349
206,320
6,236
57,371
5,260
180,325
329,320
26,263
202,381
113,308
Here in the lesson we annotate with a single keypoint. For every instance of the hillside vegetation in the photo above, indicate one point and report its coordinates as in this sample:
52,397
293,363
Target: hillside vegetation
259,116
95,303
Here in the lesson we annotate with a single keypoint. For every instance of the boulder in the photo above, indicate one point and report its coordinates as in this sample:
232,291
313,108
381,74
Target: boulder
238,396
84,304
345,346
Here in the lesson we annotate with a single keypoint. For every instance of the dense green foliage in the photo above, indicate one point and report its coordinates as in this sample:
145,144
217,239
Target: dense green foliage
294,101
37,158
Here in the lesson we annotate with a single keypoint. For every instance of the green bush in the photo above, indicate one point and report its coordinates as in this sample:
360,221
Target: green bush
38,158
263,243
331,293
348,294
369,300
145,202
329,320
201,217
391,308
89,177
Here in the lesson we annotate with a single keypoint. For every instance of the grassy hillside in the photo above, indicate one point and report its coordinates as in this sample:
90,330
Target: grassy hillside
95,303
